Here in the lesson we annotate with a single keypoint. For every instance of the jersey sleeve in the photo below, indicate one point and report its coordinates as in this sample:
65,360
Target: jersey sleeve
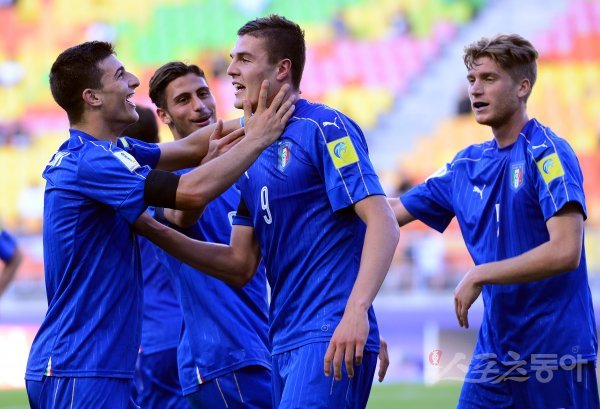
431,201
114,178
146,154
559,179
341,156
242,216
8,245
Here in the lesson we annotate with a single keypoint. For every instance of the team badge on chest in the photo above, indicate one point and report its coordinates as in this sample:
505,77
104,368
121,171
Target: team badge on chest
284,155
516,175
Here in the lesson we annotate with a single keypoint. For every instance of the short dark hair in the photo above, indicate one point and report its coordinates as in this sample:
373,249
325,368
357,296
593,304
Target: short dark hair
285,39
511,52
146,127
74,70
163,76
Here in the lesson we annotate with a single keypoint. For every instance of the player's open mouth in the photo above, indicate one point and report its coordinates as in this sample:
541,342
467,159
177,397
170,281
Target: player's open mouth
128,99
479,105
238,87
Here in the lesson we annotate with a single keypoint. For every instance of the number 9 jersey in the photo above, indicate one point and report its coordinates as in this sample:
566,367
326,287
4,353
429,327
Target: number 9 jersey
298,196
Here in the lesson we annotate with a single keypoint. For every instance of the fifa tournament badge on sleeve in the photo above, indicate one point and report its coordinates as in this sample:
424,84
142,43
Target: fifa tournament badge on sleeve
550,168
342,152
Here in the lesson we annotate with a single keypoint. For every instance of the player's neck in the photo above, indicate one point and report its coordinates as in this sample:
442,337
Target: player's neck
176,135
274,93
507,133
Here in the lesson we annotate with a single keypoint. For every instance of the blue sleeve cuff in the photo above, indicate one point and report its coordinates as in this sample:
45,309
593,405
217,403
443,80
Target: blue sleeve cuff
242,221
346,195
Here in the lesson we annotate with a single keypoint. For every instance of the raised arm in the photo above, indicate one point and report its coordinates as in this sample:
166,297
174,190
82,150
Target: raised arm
561,253
198,187
218,145
189,151
381,238
234,264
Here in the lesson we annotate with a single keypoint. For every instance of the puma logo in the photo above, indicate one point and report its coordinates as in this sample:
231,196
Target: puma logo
325,123
476,189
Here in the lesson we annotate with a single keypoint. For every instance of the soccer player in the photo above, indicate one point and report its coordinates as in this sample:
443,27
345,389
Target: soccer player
313,207
520,205
84,353
156,379
11,256
224,357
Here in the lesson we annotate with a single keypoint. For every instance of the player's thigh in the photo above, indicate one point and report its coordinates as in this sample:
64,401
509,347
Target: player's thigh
304,384
485,394
80,393
245,388
158,381
559,388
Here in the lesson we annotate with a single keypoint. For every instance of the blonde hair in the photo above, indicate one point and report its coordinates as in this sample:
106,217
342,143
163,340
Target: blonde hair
511,52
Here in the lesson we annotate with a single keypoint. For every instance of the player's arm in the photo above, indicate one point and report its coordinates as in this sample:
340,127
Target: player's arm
402,215
218,145
561,253
183,218
234,264
381,238
198,187
10,269
189,151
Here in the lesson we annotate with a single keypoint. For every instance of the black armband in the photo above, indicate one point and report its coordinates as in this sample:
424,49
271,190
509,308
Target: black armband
160,189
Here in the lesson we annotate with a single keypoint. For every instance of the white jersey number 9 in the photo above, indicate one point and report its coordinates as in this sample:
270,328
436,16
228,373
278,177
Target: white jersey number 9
264,203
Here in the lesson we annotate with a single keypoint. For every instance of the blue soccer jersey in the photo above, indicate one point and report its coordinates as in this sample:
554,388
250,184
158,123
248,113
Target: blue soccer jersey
8,245
225,328
94,192
162,318
299,195
502,198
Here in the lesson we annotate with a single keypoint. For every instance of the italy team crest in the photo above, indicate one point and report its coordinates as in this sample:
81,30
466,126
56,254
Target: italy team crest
516,175
284,155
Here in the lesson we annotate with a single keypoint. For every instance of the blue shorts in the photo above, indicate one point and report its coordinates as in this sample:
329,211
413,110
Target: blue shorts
80,393
554,388
157,381
299,380
248,387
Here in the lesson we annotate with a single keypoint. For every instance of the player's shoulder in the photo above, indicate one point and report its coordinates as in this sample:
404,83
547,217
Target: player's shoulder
98,159
78,147
65,158
543,142
321,116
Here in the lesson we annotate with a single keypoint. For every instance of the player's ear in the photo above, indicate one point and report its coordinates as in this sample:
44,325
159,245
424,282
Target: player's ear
91,97
164,116
524,88
284,69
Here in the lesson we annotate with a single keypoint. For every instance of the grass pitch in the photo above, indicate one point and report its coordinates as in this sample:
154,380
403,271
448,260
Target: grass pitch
387,396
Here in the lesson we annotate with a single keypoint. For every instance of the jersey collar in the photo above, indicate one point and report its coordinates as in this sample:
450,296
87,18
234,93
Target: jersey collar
76,133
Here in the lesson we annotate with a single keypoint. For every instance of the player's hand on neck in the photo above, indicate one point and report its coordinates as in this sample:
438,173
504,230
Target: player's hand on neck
269,120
